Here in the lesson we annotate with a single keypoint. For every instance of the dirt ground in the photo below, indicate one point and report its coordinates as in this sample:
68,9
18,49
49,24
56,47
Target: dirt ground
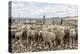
24,46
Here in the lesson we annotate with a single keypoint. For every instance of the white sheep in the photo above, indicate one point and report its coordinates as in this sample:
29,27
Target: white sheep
59,32
31,34
39,35
72,35
18,33
49,37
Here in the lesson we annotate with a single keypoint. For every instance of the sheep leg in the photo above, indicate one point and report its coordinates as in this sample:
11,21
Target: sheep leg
20,38
44,42
50,44
61,43
38,39
27,39
70,43
54,43
34,39
73,41
17,38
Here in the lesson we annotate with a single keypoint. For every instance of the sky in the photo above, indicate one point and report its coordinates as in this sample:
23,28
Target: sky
24,9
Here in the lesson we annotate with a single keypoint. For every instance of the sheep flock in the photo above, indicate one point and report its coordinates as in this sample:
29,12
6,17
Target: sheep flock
34,38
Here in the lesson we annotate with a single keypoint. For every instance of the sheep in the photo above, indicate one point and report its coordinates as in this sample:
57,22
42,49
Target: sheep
33,27
18,34
66,37
28,34
31,35
12,34
39,36
52,27
59,32
76,30
24,34
13,31
48,37
72,35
